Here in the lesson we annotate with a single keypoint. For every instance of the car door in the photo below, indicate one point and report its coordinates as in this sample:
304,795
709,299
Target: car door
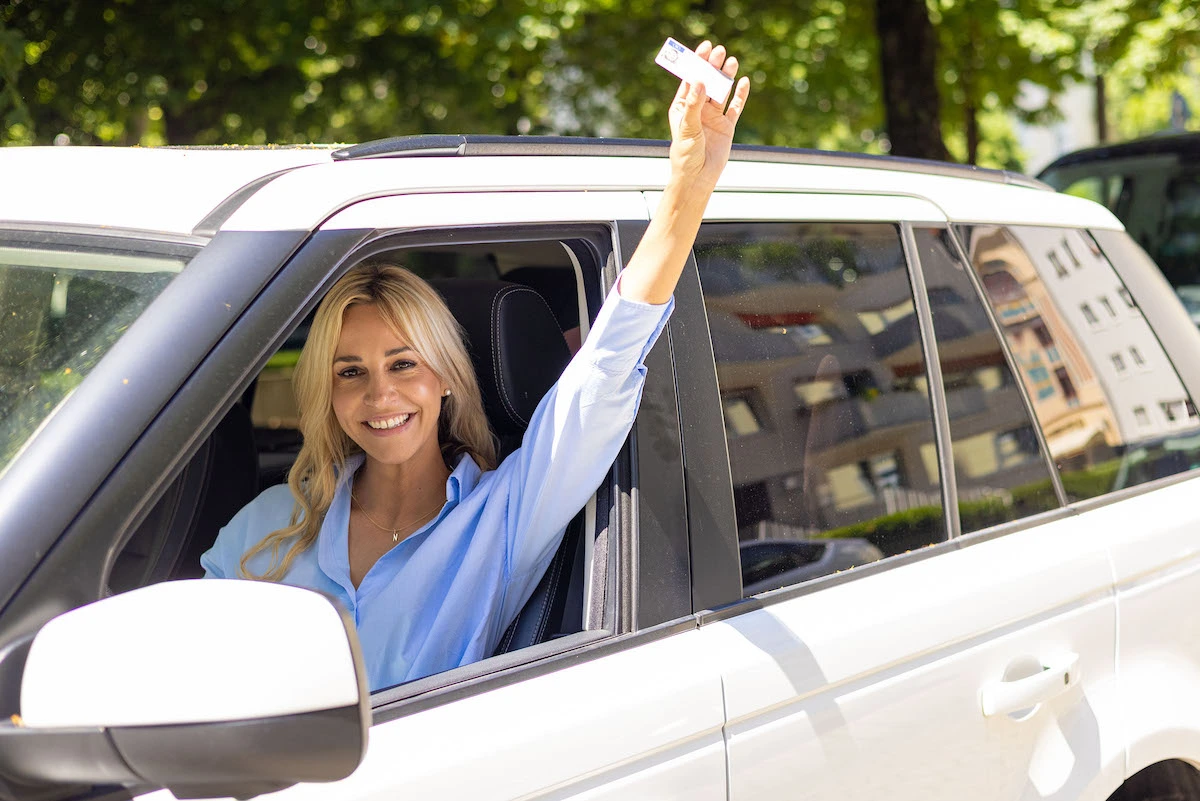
975,658
609,712
1146,511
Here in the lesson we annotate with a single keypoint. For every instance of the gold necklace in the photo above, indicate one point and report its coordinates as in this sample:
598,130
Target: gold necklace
395,532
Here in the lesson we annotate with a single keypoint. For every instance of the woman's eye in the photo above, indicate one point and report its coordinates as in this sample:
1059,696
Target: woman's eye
349,372
403,365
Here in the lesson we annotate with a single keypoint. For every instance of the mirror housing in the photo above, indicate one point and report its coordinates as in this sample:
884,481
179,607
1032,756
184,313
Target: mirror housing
206,687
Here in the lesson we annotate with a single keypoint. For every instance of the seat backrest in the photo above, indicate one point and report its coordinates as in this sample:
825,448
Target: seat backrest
220,478
518,351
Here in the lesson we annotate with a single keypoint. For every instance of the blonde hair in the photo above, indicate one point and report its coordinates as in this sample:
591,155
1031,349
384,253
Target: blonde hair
414,310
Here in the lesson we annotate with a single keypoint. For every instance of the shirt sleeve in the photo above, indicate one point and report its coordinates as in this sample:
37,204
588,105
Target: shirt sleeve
268,512
574,435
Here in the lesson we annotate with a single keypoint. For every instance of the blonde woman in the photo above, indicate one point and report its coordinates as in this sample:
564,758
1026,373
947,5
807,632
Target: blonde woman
395,505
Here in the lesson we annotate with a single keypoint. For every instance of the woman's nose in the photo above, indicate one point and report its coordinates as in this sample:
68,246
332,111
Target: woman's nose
380,391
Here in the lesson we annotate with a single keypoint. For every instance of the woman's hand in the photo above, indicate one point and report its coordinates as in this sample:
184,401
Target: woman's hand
701,131
701,136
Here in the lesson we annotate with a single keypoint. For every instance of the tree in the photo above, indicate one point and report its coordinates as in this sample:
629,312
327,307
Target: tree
218,71
907,57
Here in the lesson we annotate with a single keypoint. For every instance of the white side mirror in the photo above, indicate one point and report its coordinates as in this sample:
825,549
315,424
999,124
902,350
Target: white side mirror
204,687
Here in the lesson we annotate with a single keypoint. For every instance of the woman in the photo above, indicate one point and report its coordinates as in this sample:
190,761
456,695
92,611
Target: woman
395,505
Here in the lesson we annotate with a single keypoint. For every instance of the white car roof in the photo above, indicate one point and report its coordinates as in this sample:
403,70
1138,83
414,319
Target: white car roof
174,190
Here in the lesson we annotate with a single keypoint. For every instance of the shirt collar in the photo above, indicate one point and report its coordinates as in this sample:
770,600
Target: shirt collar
333,554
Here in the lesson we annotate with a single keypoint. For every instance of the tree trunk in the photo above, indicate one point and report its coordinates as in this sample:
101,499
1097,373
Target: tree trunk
907,57
972,122
1101,111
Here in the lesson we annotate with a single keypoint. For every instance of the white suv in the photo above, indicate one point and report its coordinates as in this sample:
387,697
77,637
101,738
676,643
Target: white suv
909,509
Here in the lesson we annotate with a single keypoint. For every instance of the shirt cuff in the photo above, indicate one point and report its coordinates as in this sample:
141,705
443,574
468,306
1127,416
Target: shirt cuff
626,328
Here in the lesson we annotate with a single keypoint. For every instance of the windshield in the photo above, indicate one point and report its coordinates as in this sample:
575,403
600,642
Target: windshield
63,305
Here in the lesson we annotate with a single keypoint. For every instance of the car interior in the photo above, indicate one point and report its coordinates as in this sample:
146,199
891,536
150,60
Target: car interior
519,304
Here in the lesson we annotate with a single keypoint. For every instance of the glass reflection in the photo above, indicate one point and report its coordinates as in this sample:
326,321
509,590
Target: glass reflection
824,394
1000,471
1114,411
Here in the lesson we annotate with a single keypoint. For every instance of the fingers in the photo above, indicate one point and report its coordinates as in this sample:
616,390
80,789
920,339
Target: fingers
693,102
738,104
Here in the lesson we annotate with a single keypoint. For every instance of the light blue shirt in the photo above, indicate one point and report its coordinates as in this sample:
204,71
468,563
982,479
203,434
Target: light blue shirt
444,596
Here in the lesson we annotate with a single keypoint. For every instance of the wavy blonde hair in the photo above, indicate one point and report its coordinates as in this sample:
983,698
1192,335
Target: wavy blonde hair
414,310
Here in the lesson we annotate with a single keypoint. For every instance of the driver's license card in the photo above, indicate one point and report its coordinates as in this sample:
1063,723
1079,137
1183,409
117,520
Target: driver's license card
687,66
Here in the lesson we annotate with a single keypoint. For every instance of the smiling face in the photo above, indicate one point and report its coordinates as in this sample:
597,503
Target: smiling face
386,397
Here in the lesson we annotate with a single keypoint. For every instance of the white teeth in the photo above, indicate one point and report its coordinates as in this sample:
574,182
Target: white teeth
391,422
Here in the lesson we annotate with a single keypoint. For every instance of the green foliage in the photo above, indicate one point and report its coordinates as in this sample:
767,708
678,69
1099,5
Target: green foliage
223,71
15,122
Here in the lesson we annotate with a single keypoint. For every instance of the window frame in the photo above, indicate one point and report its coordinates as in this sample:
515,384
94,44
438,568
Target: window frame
291,279
715,537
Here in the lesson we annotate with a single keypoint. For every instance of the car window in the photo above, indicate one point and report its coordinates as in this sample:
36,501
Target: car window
824,393
1178,253
1112,191
1000,471
1113,410
61,309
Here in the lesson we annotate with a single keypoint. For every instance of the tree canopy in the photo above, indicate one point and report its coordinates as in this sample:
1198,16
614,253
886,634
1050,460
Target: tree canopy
285,71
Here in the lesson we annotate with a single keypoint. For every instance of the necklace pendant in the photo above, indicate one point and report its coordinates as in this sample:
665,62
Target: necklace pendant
395,535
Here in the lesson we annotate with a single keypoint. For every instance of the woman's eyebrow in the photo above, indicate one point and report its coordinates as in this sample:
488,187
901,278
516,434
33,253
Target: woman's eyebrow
353,358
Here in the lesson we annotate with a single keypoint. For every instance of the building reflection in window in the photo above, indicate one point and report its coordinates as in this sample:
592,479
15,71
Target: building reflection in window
1104,430
1000,472
816,339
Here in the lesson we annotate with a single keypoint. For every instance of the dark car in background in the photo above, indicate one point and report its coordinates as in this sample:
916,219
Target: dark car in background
1153,186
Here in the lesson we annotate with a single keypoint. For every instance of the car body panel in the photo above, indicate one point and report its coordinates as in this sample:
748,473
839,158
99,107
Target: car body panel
873,687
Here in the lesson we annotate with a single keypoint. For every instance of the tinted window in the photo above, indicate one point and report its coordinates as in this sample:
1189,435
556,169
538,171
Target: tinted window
1000,470
61,310
824,391
1113,409
1178,252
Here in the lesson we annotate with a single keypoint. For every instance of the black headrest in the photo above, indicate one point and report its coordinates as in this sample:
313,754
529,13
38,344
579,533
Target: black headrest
515,343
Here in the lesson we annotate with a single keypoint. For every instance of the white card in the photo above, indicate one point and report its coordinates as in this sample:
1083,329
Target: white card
687,66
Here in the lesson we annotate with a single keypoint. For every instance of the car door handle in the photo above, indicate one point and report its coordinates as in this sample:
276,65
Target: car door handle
1005,697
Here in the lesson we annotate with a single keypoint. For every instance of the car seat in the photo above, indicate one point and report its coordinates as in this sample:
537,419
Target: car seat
518,351
220,478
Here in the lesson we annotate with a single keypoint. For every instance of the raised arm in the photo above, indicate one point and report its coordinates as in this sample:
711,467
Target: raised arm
701,136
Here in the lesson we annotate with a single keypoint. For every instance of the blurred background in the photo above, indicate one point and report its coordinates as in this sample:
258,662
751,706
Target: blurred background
999,83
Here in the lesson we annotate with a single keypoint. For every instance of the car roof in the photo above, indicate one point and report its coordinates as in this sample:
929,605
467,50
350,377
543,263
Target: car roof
297,188
1186,145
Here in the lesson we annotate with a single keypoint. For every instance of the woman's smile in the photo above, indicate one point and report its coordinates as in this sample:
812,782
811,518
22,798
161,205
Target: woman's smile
383,426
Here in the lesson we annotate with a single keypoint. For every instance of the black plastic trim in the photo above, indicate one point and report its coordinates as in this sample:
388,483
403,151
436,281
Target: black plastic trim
712,519
197,760
224,210
662,577
487,145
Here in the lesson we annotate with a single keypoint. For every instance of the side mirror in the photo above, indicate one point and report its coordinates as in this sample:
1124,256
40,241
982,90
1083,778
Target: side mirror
208,688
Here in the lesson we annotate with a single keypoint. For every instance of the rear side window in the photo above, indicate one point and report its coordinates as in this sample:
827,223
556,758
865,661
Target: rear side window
1178,253
825,397
1113,410
61,310
1000,470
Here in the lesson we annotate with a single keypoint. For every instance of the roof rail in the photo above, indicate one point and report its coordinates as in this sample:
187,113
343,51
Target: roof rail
489,145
